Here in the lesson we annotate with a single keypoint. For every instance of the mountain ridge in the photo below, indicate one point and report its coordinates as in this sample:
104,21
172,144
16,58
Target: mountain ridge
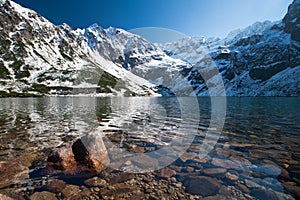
38,58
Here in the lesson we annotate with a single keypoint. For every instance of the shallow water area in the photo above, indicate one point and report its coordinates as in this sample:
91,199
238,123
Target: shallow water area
256,156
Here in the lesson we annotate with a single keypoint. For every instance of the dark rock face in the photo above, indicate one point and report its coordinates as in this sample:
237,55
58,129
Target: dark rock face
202,185
292,20
264,73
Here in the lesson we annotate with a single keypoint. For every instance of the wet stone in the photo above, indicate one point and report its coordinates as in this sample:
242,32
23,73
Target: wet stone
90,151
3,197
264,194
294,190
243,188
166,173
95,182
202,185
120,178
70,190
85,194
229,164
214,171
231,177
251,184
138,149
268,170
188,156
217,197
55,186
13,173
43,196
144,162
117,189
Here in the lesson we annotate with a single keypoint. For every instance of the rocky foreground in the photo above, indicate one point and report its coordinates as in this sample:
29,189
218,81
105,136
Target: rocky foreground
233,170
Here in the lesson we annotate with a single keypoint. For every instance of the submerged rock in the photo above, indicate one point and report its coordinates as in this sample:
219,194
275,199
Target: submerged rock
95,182
91,152
214,171
202,185
231,176
12,172
120,178
43,196
264,194
3,197
166,173
229,164
70,190
55,185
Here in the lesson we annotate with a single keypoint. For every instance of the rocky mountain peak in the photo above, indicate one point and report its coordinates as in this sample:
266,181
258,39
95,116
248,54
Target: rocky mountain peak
292,20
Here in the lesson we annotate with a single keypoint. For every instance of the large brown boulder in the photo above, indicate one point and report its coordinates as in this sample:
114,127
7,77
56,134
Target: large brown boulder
91,152
88,153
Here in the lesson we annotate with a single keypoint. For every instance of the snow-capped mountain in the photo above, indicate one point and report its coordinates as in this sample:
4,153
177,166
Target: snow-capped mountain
37,57
142,58
260,60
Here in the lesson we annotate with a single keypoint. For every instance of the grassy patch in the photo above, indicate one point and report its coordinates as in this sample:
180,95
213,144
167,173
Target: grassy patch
41,88
16,65
22,74
4,73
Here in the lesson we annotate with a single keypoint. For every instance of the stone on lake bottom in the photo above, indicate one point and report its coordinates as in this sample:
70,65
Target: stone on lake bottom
43,196
293,189
231,176
120,178
3,197
166,173
95,182
264,194
229,164
202,185
70,190
55,185
214,171
91,152
188,156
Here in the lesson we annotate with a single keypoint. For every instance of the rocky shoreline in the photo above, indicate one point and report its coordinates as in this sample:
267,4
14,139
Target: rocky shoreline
231,171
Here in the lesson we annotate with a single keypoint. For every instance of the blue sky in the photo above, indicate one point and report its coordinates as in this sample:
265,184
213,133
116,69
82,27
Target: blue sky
190,17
